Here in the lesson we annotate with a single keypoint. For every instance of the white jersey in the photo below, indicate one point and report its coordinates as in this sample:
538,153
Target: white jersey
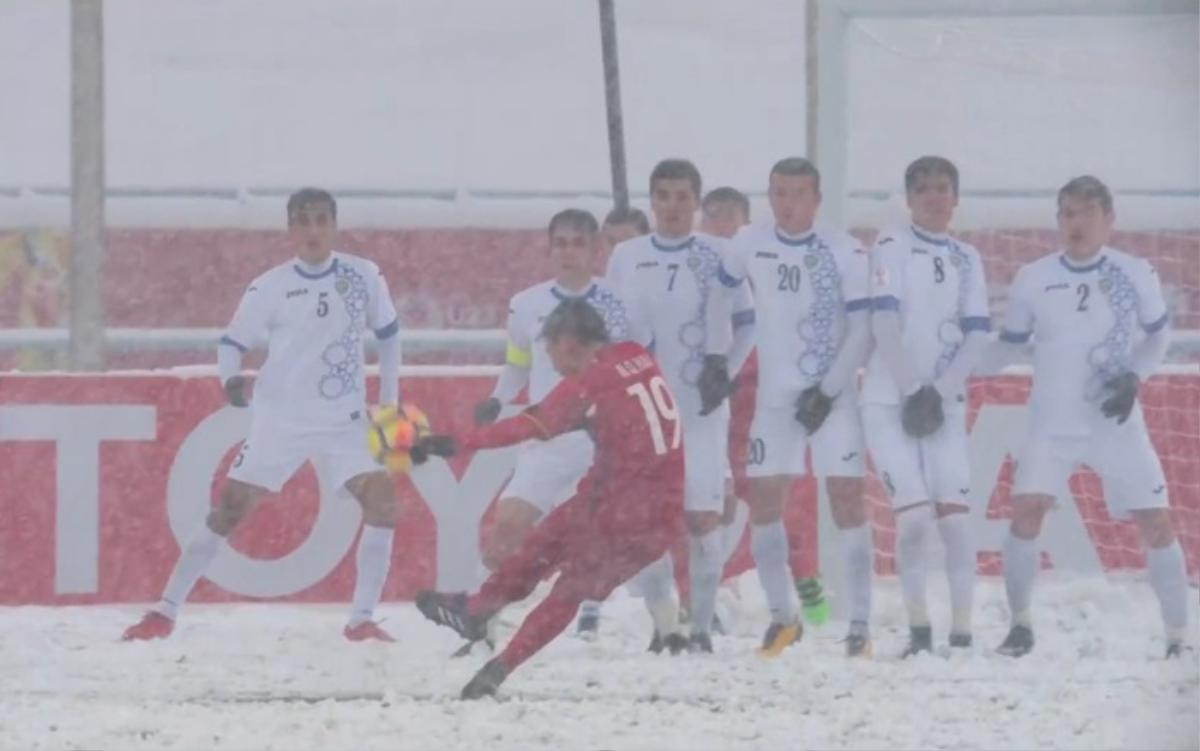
312,325
803,289
937,285
667,286
527,312
1085,322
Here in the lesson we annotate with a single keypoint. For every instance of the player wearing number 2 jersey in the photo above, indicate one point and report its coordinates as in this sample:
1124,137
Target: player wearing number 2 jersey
626,512
1098,323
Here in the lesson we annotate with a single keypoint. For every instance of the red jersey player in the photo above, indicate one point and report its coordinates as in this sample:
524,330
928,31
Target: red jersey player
625,513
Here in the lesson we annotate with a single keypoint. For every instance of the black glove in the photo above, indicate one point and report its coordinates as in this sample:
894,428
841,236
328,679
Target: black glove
432,445
922,415
812,407
235,391
1123,392
714,383
487,411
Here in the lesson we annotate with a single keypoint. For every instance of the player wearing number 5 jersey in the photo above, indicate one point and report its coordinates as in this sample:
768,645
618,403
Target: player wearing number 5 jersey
626,511
1098,323
313,315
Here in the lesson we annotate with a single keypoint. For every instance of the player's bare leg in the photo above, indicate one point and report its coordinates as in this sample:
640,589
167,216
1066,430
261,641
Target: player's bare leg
953,520
704,573
377,496
1168,572
849,511
1021,561
914,525
769,546
237,499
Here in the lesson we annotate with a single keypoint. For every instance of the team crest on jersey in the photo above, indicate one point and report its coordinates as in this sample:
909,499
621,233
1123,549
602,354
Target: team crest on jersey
955,261
1105,284
342,286
811,261
693,262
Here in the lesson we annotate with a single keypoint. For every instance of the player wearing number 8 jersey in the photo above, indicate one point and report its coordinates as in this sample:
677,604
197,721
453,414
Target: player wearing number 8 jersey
626,511
930,322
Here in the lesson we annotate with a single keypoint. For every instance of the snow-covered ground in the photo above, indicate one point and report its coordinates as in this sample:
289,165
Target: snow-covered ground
281,676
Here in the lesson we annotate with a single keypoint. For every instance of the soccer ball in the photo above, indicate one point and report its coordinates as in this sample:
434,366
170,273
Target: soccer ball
393,432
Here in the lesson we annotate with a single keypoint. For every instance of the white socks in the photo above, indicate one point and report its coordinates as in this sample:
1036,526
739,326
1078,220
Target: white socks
192,563
857,554
1168,576
960,568
1020,569
731,534
656,585
913,527
704,570
769,545
372,561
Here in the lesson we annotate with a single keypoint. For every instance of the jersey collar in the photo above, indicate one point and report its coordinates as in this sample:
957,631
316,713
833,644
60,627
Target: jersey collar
315,272
1091,266
933,238
587,294
795,241
670,246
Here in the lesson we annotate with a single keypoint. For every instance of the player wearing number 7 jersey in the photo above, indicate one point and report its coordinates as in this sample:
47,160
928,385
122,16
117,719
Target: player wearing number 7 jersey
625,513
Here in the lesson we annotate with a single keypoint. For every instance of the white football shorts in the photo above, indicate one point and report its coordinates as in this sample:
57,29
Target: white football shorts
273,451
778,443
935,468
548,472
1122,455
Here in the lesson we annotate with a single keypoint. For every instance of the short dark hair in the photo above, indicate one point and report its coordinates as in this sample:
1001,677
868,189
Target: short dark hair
1088,188
575,219
798,166
306,197
630,215
677,169
927,166
575,317
726,194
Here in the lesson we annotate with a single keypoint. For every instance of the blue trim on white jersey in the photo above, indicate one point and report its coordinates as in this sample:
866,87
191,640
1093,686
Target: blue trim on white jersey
332,268
743,318
795,242
885,302
1062,258
862,303
582,296
942,241
671,248
729,280
1015,337
230,342
1156,326
388,331
975,323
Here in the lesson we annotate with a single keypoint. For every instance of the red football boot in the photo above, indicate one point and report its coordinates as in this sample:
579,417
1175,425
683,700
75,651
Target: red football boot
365,631
154,625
